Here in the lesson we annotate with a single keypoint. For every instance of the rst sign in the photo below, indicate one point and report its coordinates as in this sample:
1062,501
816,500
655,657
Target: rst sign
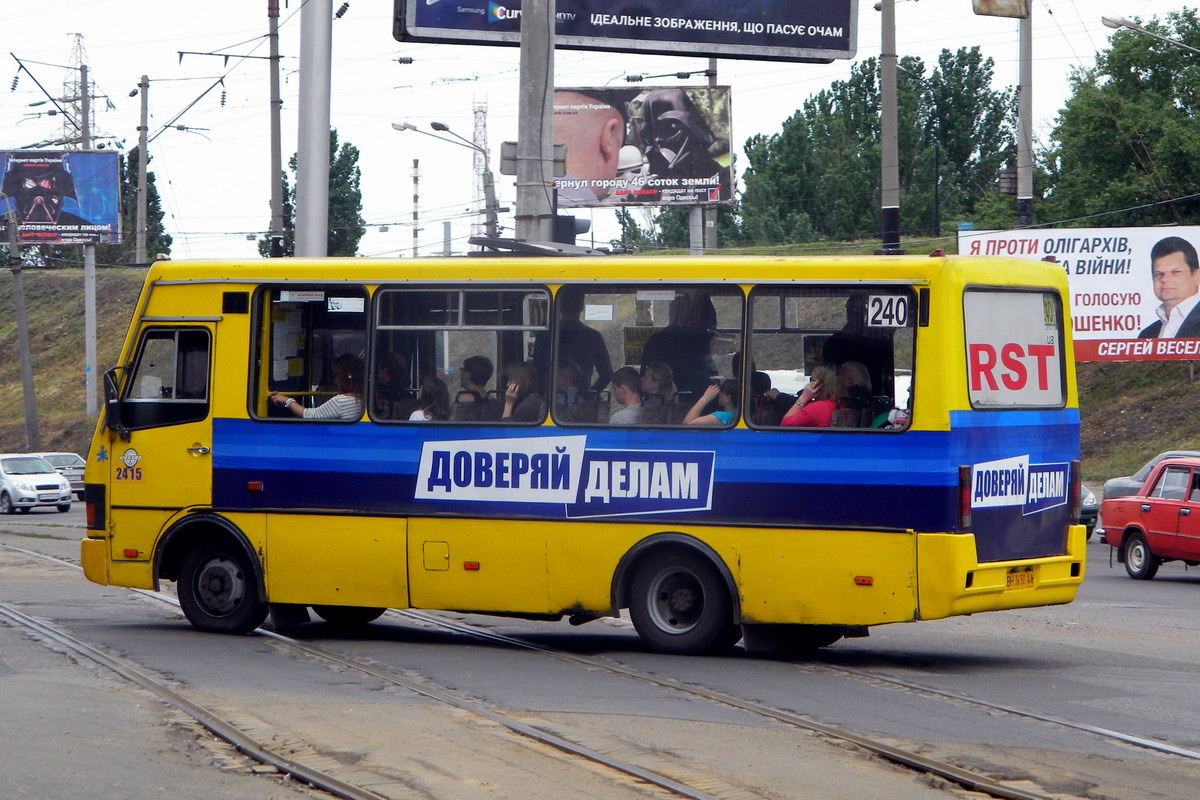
1013,349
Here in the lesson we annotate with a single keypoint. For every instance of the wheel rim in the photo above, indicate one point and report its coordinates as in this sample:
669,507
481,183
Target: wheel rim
220,585
676,600
5,504
1137,556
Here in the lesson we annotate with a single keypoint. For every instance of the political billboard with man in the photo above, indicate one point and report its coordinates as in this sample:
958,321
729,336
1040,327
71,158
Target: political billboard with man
62,197
1134,292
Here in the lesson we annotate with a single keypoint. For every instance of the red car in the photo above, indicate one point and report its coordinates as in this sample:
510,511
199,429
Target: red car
1161,522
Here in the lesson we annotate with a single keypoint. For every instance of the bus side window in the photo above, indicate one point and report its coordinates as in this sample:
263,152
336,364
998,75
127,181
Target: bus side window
465,340
303,330
857,343
168,384
677,339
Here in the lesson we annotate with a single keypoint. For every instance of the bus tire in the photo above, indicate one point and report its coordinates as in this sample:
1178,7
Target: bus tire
1140,563
348,616
784,639
680,605
218,591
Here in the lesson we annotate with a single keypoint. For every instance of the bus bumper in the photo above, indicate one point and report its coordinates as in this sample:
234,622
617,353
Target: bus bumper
952,582
93,554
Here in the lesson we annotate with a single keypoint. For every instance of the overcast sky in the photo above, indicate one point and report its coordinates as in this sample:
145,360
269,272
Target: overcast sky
214,180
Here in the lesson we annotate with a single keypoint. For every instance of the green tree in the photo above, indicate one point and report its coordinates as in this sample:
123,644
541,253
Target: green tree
819,177
346,225
1126,150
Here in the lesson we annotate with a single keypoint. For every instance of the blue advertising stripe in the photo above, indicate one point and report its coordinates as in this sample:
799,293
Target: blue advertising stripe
796,478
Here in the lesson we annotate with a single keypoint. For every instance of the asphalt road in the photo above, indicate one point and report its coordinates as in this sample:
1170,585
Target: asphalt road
1122,657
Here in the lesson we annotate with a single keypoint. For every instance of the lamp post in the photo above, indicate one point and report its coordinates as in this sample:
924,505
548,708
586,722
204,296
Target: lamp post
1126,22
489,187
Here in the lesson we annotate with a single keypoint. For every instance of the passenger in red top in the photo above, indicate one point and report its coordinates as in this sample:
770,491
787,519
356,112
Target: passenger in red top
815,406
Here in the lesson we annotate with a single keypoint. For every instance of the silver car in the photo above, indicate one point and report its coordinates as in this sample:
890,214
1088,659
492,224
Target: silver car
29,482
1129,484
70,466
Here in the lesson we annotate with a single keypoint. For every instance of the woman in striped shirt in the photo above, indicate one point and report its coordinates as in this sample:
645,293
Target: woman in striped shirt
347,404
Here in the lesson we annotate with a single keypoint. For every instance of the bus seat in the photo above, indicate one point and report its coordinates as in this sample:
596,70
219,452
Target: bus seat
679,406
653,410
467,407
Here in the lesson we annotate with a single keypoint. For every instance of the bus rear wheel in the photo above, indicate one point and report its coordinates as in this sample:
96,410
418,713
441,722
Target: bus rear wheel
1140,563
218,592
679,605
348,615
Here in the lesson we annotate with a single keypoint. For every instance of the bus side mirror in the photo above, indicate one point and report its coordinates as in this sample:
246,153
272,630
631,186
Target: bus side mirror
112,405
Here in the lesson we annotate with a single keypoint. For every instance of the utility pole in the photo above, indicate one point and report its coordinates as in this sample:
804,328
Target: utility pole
140,226
416,176
14,264
276,135
889,157
535,114
1025,124
89,258
710,212
312,153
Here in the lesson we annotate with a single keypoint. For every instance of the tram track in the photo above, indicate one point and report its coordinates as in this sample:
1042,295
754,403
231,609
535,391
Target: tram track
966,778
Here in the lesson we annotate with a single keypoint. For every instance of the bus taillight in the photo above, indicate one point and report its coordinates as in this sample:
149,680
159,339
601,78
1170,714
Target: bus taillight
964,498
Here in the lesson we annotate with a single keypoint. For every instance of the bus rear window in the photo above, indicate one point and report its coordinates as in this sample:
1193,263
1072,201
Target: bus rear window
1014,349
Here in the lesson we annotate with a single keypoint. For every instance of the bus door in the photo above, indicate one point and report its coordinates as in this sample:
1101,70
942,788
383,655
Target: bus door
159,454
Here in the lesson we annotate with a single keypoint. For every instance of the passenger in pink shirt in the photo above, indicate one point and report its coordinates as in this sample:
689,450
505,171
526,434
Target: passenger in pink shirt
815,405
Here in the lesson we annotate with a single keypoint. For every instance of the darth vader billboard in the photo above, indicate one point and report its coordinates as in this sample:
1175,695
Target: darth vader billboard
61,197
652,146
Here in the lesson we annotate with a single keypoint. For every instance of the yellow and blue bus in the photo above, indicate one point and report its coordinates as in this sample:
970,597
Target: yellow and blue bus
520,441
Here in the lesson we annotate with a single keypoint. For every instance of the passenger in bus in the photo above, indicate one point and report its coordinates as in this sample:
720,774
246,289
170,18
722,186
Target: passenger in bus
817,401
473,376
854,409
578,343
522,403
434,403
568,380
346,404
391,376
658,379
626,391
726,393
685,345
858,341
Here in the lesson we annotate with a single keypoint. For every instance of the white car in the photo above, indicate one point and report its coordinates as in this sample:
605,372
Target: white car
30,482
70,466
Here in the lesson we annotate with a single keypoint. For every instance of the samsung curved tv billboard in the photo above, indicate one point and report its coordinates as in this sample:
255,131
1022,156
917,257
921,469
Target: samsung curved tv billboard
758,29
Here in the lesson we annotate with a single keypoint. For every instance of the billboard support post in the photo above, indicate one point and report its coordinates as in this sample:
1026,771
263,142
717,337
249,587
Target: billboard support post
535,114
14,263
89,259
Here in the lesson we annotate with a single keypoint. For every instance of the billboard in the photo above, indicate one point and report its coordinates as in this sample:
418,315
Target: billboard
761,29
1134,293
62,197
656,146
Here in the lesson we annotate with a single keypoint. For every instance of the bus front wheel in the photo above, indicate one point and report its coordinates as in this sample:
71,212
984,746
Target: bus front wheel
218,592
679,605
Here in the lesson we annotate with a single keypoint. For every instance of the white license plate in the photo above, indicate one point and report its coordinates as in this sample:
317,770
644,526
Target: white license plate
45,497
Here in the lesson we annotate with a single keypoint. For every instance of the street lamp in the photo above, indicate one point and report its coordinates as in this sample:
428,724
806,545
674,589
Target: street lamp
489,187
1126,22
